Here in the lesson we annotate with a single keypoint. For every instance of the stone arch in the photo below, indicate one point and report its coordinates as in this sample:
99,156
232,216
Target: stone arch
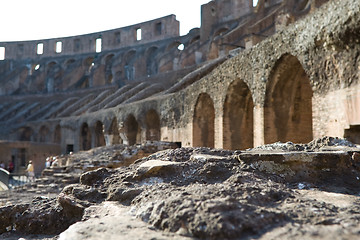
85,137
53,75
99,134
288,103
132,130
204,122
69,62
173,45
114,132
194,39
57,134
109,59
153,126
26,134
50,65
129,69
44,133
238,117
151,61
88,61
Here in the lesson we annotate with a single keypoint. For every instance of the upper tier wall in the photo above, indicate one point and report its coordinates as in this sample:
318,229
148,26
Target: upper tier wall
154,30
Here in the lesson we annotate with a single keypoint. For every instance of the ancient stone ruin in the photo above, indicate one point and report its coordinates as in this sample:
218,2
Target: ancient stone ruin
221,85
238,101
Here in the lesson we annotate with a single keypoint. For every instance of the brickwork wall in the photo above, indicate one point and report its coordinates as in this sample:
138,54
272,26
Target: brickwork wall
151,31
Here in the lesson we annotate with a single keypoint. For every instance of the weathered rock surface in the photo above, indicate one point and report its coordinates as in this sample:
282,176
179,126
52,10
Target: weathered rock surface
278,191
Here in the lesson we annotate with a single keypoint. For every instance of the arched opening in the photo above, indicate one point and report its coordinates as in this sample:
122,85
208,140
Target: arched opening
88,62
203,122
129,68
132,130
109,59
114,132
151,62
26,134
288,103
99,134
69,62
152,126
108,68
173,45
194,39
57,134
44,134
50,66
53,75
238,117
85,137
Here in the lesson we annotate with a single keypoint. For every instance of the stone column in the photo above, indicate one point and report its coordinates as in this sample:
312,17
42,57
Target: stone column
259,137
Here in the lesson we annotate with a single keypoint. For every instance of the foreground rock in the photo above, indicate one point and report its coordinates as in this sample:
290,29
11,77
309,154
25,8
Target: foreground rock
278,191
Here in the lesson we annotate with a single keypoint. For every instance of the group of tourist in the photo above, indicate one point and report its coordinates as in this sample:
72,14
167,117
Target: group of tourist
51,162
9,167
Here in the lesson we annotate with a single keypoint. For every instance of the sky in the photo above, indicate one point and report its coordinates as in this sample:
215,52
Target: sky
41,19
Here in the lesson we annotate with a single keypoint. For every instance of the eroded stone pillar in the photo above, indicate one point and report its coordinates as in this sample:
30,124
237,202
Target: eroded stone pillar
259,138
108,139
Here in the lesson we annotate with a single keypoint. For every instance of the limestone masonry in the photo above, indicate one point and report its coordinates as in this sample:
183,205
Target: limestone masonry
283,70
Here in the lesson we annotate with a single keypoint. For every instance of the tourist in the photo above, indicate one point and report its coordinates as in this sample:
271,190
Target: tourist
30,171
47,162
10,166
55,162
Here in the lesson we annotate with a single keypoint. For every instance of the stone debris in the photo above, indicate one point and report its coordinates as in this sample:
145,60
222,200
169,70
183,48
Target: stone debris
203,193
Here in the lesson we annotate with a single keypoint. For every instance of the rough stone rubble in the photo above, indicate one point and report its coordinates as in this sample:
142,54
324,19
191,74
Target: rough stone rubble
282,191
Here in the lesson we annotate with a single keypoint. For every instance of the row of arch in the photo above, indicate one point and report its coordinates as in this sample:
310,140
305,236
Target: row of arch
287,112
128,132
126,57
111,68
287,116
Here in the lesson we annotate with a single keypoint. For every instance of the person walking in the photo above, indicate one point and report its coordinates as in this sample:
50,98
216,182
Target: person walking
30,171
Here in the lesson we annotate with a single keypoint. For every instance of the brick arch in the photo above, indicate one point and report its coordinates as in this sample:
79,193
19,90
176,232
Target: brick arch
54,73
108,58
288,103
85,137
69,62
88,61
108,63
132,130
152,126
152,64
26,134
99,134
44,133
194,39
204,122
129,61
113,132
238,117
50,65
173,45
57,134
